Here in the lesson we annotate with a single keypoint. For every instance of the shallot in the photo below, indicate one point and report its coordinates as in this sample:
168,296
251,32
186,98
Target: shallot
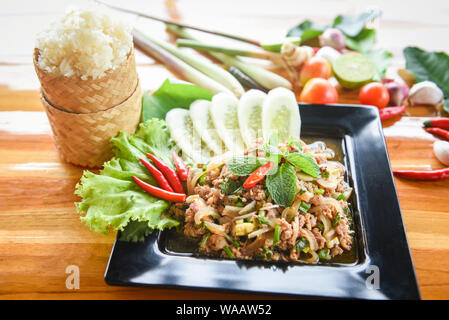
333,38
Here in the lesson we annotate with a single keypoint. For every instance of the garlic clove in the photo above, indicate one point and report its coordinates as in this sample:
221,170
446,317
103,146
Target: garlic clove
328,53
441,151
425,92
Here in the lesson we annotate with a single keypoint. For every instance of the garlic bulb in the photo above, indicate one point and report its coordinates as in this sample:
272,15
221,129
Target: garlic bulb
328,53
441,151
425,92
333,38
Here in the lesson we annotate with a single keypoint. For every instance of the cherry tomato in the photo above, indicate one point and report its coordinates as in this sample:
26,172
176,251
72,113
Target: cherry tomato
315,67
374,94
319,91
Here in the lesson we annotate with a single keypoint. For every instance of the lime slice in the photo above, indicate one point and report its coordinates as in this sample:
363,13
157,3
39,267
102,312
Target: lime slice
182,132
224,116
276,47
280,114
353,70
250,115
202,123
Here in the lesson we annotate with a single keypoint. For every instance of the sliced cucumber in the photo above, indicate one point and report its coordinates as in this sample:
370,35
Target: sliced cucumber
280,114
353,70
202,123
182,132
250,115
224,116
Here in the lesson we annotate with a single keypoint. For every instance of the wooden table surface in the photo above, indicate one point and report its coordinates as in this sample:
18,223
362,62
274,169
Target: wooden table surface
40,231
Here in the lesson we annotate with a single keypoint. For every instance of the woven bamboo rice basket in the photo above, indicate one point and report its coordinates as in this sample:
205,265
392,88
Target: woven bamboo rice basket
84,138
85,114
83,96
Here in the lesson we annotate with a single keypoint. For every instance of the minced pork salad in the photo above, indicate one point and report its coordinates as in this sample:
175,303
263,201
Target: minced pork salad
276,202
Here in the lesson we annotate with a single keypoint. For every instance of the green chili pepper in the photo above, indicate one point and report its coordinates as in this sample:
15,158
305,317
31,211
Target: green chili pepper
228,252
277,234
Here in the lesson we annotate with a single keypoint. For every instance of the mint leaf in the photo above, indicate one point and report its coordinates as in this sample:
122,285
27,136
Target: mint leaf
431,66
353,25
244,165
305,162
282,185
169,96
229,187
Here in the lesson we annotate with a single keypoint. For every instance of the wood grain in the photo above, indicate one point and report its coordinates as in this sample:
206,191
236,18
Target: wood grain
40,231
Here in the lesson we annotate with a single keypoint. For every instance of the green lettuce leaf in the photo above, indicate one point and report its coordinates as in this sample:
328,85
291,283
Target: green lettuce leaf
169,96
112,201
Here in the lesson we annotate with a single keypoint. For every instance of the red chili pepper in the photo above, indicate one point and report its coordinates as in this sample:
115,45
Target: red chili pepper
160,193
442,123
390,112
169,173
181,168
158,176
258,175
423,175
439,131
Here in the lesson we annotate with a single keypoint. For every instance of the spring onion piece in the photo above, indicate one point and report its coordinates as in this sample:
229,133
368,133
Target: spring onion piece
208,68
266,78
301,244
179,66
304,207
341,196
318,191
228,252
277,235
204,240
324,254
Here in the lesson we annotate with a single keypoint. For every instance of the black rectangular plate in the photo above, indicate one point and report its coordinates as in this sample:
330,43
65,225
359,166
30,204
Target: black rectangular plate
383,268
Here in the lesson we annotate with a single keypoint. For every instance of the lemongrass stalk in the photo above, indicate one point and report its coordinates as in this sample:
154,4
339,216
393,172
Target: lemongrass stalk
200,46
208,68
268,79
188,72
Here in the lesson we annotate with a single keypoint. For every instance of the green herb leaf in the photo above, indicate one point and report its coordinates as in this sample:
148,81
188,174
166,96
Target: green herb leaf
305,162
169,96
446,105
353,25
307,30
229,187
432,66
382,59
301,244
244,165
282,185
363,41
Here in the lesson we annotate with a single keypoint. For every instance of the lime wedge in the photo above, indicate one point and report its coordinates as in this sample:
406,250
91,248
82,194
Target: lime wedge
224,116
280,114
182,132
250,115
203,125
353,70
